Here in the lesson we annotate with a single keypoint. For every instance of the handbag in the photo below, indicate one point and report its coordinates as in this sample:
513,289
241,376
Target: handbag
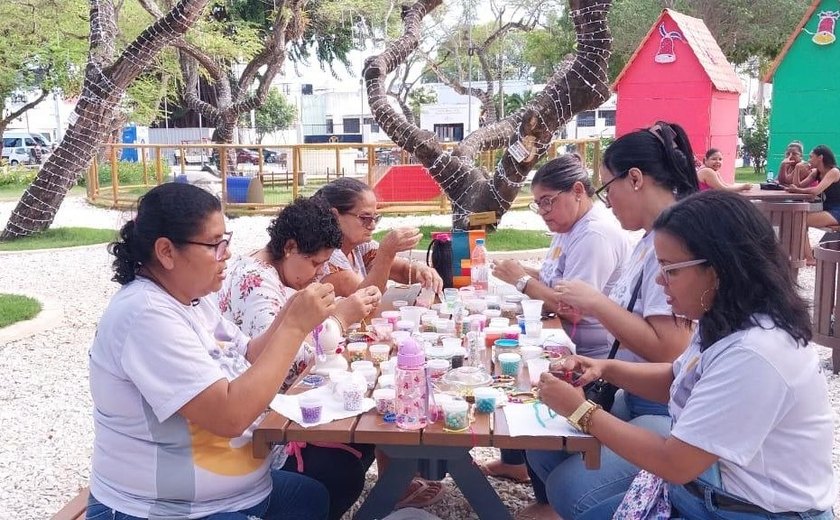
601,392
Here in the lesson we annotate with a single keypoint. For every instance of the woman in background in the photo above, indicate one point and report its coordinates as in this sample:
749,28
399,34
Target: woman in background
710,179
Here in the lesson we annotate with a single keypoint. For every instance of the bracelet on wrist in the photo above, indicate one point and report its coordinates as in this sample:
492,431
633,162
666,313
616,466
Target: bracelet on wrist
338,322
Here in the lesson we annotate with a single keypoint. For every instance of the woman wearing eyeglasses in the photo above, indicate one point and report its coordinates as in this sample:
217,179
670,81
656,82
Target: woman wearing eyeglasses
257,287
362,261
643,173
752,423
177,389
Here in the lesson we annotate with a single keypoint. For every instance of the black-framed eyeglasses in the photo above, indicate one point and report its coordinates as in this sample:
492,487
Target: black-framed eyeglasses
603,193
545,204
367,220
220,247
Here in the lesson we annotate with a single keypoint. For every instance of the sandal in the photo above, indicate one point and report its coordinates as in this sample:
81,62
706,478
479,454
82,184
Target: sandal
513,472
422,493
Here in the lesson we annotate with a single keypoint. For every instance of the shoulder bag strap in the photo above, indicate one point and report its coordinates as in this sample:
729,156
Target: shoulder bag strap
633,298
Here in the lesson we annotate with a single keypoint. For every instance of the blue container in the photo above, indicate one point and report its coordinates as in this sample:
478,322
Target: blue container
182,179
237,189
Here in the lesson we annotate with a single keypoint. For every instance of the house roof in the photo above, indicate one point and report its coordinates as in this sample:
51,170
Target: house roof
768,78
703,45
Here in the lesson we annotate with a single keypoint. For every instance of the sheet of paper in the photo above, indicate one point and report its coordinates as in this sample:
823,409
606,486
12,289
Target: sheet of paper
522,422
393,293
332,409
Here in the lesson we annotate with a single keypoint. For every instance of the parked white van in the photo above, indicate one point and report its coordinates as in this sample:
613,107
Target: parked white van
17,147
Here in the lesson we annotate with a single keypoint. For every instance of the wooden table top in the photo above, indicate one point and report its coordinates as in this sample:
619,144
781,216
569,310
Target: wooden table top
776,195
487,430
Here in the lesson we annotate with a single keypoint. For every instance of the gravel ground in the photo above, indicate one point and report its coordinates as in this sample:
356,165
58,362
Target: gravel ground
45,417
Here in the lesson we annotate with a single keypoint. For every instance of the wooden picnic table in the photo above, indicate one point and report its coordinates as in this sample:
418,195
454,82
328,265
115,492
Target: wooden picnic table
787,213
408,448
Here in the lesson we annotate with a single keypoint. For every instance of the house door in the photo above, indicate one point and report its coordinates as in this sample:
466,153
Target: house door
452,132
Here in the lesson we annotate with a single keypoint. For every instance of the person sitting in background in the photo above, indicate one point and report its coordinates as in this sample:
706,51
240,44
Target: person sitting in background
710,179
793,169
752,422
362,261
177,389
257,287
588,245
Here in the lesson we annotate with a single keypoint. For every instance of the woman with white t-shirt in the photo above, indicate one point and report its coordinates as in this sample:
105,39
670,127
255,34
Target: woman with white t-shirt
752,423
177,389
643,173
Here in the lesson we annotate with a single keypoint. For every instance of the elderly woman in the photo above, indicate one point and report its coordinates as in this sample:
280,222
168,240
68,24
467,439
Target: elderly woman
710,179
177,389
588,245
643,173
259,285
752,424
362,261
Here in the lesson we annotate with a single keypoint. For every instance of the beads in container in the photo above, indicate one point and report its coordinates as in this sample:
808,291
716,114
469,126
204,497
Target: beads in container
353,393
310,408
384,399
456,415
356,350
485,400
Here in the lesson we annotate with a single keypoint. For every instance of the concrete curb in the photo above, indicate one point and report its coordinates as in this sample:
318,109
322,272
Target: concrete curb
50,317
53,249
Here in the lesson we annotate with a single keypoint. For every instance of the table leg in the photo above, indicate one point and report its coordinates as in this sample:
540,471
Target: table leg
477,490
388,489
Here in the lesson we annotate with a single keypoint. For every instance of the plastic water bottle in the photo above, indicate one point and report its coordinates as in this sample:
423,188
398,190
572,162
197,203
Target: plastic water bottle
412,399
771,177
478,266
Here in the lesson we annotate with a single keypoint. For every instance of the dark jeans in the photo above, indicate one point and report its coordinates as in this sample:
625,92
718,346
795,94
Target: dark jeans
293,497
338,470
517,457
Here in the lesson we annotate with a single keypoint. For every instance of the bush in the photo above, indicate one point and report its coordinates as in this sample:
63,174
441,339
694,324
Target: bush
131,173
17,176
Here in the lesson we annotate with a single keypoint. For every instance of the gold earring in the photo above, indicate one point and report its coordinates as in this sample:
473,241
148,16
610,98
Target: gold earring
703,303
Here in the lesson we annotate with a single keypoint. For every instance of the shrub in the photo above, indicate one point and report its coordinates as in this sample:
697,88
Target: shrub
17,176
131,173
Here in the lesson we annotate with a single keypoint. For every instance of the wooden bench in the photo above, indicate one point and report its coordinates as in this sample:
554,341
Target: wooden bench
75,509
826,319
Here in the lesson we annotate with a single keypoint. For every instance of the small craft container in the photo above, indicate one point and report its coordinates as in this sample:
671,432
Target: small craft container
437,368
533,328
352,394
511,332
356,351
392,316
385,381
310,408
485,400
510,363
456,414
502,346
536,367
459,354
384,399
491,334
379,352
364,364
530,352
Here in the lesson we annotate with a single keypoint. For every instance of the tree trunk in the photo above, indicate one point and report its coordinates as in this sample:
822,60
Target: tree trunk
106,80
580,84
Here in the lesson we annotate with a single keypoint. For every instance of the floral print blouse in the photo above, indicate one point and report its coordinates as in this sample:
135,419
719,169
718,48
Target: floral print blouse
251,296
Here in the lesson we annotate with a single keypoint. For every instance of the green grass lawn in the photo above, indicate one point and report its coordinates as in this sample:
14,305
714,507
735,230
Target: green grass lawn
10,192
747,174
500,240
60,237
14,308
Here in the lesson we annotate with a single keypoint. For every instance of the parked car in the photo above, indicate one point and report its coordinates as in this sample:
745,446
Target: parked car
244,155
16,155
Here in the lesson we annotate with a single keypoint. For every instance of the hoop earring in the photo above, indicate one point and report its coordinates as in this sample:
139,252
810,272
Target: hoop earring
703,303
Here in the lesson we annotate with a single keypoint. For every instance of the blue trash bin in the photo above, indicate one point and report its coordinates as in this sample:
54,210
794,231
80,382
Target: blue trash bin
237,189
182,179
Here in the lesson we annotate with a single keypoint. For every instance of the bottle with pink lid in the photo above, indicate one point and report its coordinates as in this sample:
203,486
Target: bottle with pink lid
412,400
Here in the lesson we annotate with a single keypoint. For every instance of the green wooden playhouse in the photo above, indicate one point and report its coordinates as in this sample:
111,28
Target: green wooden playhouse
806,85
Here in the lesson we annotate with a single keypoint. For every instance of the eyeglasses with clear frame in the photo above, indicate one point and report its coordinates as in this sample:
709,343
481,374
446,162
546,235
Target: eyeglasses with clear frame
367,220
220,247
668,269
543,205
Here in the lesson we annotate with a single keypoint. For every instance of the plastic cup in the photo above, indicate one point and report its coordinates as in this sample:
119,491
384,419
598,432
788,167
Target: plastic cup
450,343
491,334
532,309
364,364
398,304
511,332
530,352
459,354
444,326
369,375
485,400
310,408
338,377
392,316
383,331
510,363
388,367
384,399
356,350
412,313
385,381
436,407
379,352
536,367
533,328
437,368
492,313
352,395
475,305
456,414
450,295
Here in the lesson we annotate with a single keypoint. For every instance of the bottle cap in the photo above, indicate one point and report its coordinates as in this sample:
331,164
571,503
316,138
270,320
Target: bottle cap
410,355
479,241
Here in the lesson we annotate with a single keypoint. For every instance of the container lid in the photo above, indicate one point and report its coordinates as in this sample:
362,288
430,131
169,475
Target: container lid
479,241
405,324
410,355
472,377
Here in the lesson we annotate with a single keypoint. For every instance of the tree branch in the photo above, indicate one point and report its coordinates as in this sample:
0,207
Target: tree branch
17,113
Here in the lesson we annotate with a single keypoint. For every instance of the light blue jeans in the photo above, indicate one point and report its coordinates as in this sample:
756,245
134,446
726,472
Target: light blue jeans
293,496
691,507
577,493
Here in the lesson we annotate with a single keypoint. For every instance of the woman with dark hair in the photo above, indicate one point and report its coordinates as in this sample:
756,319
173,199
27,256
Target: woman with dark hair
752,424
588,245
362,261
643,173
257,287
826,174
710,179
177,389
793,169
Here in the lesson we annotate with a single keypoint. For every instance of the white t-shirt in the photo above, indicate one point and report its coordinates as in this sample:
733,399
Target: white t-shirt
151,355
595,251
759,402
651,300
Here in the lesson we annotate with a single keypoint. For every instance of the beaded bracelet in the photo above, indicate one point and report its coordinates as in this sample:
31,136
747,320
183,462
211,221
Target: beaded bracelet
586,419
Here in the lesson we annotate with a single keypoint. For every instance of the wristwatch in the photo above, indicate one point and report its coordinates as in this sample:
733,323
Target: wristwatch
582,417
522,282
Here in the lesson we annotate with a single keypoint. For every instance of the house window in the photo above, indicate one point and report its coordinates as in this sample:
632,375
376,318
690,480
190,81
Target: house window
351,125
586,118
330,127
608,116
374,127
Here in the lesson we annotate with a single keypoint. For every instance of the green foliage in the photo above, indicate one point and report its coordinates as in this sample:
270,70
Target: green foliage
418,97
514,102
17,176
275,114
60,237
130,173
545,47
15,308
756,141
500,240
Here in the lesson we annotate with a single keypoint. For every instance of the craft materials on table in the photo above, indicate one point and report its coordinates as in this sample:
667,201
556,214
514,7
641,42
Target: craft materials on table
332,409
535,419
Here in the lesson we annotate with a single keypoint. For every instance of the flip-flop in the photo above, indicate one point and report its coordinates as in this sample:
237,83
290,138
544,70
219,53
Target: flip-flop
426,493
485,469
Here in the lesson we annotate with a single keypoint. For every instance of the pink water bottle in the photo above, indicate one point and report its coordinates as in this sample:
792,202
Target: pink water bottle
412,400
